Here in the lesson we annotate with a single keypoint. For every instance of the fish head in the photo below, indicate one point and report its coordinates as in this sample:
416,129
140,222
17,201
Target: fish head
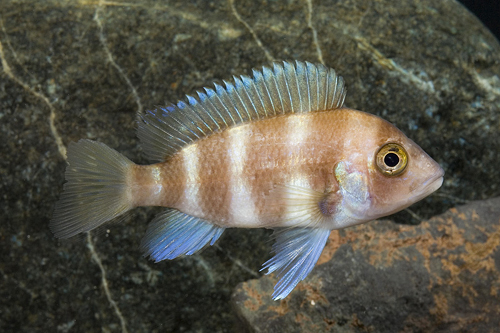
400,173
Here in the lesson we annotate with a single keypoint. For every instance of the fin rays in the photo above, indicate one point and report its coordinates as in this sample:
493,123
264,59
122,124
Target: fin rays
296,252
96,189
173,233
302,205
286,88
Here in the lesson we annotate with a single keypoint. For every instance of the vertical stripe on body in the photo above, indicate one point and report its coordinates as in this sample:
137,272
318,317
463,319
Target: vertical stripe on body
298,129
146,185
158,181
242,204
190,157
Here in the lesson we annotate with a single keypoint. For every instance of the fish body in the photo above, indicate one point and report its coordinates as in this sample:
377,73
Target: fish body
276,151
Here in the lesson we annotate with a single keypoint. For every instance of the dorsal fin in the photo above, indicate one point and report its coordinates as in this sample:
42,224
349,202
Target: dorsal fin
286,88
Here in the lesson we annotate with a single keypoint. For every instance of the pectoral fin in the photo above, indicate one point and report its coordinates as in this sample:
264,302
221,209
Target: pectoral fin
304,207
296,252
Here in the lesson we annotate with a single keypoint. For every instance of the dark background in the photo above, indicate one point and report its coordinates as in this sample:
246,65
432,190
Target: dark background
488,11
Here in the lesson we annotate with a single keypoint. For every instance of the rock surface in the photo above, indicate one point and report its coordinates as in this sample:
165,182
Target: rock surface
82,69
383,277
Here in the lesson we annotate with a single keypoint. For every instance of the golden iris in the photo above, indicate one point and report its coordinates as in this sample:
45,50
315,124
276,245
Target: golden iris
392,159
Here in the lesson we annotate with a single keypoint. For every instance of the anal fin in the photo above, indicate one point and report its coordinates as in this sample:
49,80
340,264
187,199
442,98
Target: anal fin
173,233
296,252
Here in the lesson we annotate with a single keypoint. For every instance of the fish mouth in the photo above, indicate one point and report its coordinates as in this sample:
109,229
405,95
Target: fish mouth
423,190
429,186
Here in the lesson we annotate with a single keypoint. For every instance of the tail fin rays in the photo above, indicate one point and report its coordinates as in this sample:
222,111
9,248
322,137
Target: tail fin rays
96,190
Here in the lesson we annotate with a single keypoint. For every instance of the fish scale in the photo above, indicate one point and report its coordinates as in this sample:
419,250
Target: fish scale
278,150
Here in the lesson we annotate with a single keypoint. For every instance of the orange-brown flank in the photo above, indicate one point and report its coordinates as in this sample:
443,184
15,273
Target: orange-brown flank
226,177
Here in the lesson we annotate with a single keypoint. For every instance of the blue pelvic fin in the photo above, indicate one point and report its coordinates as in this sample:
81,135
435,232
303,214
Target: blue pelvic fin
296,252
173,233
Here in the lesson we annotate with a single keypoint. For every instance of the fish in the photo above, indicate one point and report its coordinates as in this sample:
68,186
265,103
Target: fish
277,150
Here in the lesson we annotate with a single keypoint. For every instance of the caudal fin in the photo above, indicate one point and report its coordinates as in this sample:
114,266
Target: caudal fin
96,190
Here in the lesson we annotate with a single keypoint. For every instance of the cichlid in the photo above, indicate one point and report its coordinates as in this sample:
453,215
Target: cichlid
278,151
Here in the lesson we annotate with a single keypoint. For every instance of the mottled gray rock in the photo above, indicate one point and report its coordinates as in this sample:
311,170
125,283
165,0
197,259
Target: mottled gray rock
443,275
72,70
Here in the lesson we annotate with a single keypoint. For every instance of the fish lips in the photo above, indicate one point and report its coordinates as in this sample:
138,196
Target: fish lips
426,188
421,191
429,186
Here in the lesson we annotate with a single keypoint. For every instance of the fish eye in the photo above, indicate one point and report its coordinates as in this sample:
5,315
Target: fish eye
391,159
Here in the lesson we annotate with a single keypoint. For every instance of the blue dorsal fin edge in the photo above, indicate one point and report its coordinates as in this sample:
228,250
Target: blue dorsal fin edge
173,233
285,87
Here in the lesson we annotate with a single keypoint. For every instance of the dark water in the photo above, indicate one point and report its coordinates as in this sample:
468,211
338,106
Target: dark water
488,11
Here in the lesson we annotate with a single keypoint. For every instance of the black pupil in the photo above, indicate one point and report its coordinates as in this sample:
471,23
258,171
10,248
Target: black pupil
391,160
